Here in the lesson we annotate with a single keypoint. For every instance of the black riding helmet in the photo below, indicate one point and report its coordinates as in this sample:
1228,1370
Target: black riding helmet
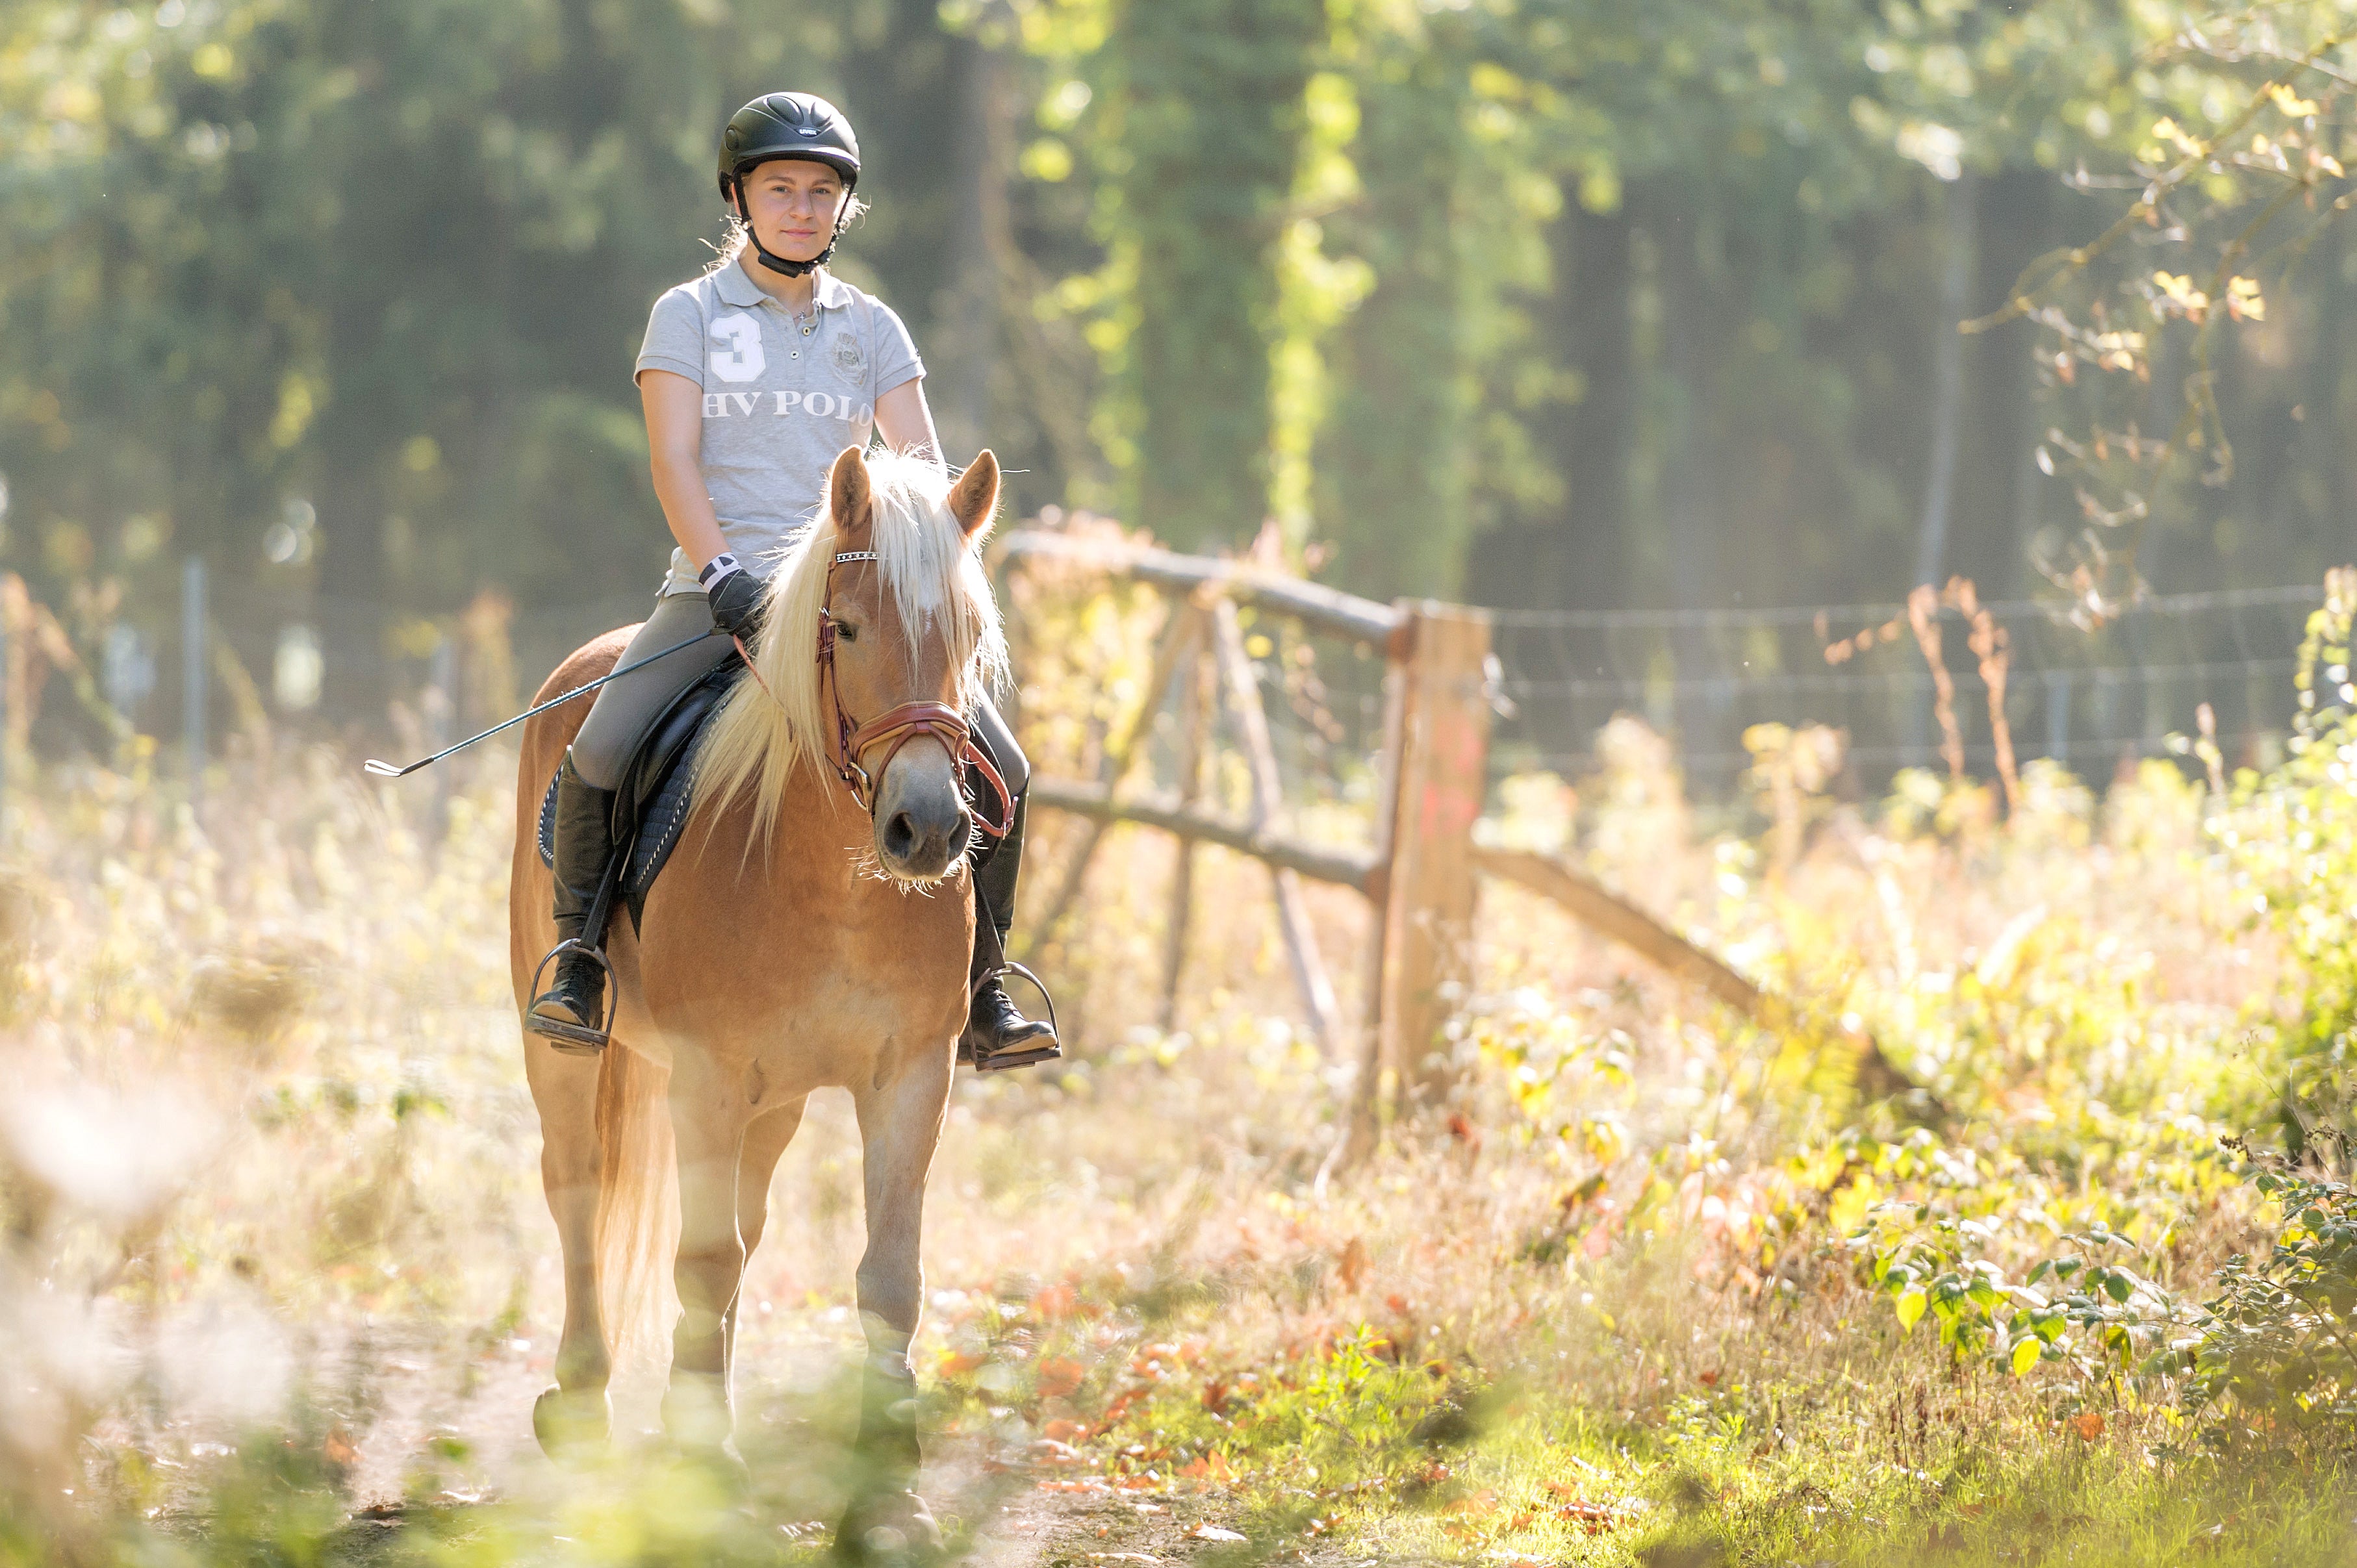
785,125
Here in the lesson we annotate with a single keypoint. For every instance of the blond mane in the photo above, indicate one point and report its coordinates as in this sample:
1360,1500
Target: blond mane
767,729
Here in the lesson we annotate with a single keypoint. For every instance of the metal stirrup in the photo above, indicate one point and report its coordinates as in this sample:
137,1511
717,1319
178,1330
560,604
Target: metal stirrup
574,1039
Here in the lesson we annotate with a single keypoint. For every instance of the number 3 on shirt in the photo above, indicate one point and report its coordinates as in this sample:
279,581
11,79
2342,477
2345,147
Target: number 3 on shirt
737,352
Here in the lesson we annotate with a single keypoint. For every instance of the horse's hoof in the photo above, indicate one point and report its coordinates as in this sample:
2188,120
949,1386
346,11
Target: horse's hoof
696,1412
571,1425
887,1527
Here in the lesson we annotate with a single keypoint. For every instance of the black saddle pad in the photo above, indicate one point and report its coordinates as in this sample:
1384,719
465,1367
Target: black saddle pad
651,807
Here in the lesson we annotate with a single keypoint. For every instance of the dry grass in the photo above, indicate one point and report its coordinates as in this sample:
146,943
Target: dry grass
272,1163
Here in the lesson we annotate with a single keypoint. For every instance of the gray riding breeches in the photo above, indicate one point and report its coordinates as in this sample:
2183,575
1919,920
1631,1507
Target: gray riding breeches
625,708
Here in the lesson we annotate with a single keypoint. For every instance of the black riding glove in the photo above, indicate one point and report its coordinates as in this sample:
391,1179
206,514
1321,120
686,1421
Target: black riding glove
736,598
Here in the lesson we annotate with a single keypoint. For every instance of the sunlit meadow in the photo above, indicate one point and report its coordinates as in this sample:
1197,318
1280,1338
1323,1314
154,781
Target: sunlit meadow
1650,1283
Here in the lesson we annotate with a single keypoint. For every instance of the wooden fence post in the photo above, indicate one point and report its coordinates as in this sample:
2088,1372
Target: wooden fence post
1195,713
1443,763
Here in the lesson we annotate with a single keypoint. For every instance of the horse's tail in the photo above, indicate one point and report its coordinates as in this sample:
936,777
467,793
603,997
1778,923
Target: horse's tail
637,1211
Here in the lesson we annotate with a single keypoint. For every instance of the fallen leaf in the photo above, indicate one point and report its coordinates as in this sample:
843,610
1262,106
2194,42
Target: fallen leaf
1063,1431
1593,1518
2089,1426
1352,1267
1212,1467
1060,1376
1213,1532
1055,1301
338,1448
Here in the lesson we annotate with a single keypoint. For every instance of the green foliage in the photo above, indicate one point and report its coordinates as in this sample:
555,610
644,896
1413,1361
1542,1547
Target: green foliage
1393,464
1633,298
2276,1344
2291,836
2085,1307
374,274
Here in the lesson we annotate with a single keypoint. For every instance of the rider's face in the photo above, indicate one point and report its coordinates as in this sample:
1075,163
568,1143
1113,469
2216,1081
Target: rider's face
794,205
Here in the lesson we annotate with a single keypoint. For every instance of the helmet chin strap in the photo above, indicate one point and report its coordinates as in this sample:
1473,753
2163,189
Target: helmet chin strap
777,263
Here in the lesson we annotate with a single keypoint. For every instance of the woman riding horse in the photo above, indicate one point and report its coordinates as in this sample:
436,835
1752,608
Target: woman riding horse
754,377
793,945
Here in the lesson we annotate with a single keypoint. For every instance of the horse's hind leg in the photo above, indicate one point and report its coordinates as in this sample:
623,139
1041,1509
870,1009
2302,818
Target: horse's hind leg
900,1124
573,1414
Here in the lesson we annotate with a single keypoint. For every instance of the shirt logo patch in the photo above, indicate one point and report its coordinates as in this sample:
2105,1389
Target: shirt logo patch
848,357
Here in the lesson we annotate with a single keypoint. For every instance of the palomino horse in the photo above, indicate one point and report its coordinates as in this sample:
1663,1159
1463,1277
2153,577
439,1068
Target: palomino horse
781,951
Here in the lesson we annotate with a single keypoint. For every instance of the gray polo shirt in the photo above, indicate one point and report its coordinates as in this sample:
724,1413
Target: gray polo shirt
781,401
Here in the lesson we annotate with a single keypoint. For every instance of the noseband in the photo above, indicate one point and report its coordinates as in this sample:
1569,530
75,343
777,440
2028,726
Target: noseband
849,742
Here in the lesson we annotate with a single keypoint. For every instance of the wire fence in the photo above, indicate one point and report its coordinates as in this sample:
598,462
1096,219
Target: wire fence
2088,696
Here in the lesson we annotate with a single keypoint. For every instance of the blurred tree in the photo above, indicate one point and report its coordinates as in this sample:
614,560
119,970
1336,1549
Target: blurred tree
1203,121
1394,460
1543,302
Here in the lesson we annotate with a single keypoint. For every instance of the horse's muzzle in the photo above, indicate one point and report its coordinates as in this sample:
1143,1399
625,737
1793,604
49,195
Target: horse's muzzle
921,832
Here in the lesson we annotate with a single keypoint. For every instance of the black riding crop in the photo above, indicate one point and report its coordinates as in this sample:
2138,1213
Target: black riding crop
387,770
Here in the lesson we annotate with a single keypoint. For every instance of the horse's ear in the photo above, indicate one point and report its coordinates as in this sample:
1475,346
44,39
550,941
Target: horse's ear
847,493
973,499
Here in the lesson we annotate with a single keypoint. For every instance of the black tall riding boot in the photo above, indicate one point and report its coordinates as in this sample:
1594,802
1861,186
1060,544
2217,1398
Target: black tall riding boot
571,1014
997,1036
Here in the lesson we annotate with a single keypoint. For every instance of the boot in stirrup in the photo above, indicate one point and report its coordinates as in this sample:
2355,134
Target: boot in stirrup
997,1037
571,1014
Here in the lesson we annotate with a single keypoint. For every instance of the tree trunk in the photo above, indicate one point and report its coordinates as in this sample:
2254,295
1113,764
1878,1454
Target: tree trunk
1960,247
1212,114
965,359
1590,318
1693,529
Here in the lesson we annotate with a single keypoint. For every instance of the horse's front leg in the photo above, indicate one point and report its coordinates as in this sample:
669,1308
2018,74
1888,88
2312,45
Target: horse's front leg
900,1124
708,1124
572,1416
764,1144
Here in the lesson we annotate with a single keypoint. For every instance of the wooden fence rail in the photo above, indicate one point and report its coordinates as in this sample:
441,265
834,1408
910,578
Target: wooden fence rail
1419,878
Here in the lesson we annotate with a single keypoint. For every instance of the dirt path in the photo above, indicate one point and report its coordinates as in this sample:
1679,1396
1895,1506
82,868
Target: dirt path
1084,1523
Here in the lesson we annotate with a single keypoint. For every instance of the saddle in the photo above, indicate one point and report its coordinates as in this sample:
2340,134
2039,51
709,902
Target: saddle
657,787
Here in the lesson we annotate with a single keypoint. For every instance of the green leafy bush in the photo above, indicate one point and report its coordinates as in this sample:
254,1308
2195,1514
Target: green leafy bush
2276,1344
2291,834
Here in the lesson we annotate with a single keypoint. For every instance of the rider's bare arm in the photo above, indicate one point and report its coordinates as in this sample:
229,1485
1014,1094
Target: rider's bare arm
906,420
674,408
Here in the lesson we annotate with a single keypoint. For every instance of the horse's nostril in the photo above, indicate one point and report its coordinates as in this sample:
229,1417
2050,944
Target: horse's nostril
900,835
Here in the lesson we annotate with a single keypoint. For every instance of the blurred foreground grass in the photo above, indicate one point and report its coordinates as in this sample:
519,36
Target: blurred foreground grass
1651,1287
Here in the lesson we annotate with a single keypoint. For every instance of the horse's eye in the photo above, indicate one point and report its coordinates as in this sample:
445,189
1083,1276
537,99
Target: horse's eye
846,632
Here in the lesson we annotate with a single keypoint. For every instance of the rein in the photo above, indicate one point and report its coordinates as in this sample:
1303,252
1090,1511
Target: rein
850,741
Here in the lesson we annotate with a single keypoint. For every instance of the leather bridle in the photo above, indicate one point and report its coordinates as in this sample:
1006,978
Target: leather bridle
849,742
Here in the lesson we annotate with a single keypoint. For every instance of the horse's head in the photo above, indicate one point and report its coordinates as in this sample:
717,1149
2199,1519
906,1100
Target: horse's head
905,640
880,631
